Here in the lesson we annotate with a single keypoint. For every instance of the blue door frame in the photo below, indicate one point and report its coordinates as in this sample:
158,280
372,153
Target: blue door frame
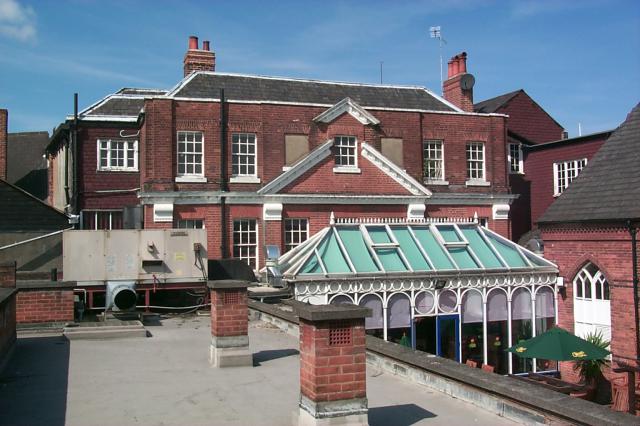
440,318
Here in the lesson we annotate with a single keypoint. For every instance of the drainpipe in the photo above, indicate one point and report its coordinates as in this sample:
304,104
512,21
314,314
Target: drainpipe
74,144
223,178
634,259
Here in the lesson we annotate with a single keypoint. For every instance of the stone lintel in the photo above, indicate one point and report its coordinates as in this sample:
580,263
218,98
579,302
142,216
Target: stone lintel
228,284
310,312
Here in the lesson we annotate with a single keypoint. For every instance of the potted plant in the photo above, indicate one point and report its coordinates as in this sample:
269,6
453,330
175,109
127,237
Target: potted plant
590,371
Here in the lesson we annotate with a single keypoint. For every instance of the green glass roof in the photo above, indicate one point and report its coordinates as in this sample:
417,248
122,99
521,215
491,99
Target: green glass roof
370,249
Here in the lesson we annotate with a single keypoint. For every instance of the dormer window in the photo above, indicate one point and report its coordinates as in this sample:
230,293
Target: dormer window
346,154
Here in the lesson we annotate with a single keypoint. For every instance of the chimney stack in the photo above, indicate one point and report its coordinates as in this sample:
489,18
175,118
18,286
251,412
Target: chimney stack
458,88
197,59
4,118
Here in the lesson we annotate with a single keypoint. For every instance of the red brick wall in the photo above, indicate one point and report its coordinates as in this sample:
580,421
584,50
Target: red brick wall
453,92
331,373
538,168
7,325
229,312
4,118
44,305
608,246
8,275
92,179
529,120
271,123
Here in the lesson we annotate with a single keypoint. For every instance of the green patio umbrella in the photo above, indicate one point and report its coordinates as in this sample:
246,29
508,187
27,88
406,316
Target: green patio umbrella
558,344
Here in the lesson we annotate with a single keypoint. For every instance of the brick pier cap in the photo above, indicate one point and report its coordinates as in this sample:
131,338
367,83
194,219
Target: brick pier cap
229,324
333,386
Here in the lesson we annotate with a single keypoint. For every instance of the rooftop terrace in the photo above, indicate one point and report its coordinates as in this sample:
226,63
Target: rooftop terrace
166,379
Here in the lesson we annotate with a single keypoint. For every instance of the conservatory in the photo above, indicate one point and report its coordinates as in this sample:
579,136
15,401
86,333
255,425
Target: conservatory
450,288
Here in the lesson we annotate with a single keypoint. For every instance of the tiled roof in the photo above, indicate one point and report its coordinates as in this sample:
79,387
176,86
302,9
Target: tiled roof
119,106
264,89
20,211
609,187
25,166
492,105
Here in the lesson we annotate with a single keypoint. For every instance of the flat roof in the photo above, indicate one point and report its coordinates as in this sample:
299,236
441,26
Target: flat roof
166,379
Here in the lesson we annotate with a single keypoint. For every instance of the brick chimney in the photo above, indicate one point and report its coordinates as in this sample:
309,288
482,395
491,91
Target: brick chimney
4,116
197,59
458,87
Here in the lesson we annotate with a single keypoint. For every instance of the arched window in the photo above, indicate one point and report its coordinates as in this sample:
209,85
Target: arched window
591,305
590,283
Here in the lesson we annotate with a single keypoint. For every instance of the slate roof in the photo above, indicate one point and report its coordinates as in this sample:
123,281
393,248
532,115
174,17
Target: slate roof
609,187
262,89
492,105
123,106
138,91
20,211
25,166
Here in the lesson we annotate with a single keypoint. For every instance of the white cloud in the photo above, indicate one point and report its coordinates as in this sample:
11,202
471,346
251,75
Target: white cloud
17,21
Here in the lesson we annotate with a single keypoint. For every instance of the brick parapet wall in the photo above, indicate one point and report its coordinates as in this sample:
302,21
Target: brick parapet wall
44,305
7,322
332,372
8,275
229,312
4,119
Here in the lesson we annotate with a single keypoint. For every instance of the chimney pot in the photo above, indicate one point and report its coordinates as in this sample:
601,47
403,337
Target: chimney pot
193,43
205,45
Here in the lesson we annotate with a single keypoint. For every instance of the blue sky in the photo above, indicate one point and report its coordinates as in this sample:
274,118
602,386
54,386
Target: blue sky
580,60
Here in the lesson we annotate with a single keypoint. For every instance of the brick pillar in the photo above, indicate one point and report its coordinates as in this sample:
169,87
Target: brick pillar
8,275
229,324
333,386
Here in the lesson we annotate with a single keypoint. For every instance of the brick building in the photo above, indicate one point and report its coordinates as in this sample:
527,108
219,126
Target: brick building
528,126
265,160
589,232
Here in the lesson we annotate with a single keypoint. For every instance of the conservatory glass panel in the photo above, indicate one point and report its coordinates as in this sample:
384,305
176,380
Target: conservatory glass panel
521,327
390,259
462,258
497,331
508,253
433,248
425,302
357,249
472,332
399,321
480,248
312,266
375,323
378,234
410,249
449,234
545,319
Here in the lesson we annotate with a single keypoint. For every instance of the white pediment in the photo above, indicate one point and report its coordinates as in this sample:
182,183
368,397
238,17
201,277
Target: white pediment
350,107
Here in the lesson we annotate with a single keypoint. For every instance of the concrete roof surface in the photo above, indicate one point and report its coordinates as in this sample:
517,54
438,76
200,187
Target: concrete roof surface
166,379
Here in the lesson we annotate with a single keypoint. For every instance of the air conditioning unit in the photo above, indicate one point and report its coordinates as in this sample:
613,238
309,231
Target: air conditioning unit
121,296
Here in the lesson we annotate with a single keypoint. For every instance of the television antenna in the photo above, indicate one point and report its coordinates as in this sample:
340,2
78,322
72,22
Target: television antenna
437,33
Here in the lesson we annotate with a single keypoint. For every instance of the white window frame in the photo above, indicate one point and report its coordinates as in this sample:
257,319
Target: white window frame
564,172
591,313
193,176
299,232
244,248
481,178
236,141
343,142
190,224
95,213
110,151
438,146
516,163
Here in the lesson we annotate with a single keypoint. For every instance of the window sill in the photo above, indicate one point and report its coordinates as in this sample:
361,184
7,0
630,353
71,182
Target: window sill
115,169
517,173
435,182
477,182
354,170
286,168
191,179
244,179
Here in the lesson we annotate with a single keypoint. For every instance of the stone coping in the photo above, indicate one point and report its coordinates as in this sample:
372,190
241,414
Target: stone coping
46,285
310,312
6,294
537,398
227,284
